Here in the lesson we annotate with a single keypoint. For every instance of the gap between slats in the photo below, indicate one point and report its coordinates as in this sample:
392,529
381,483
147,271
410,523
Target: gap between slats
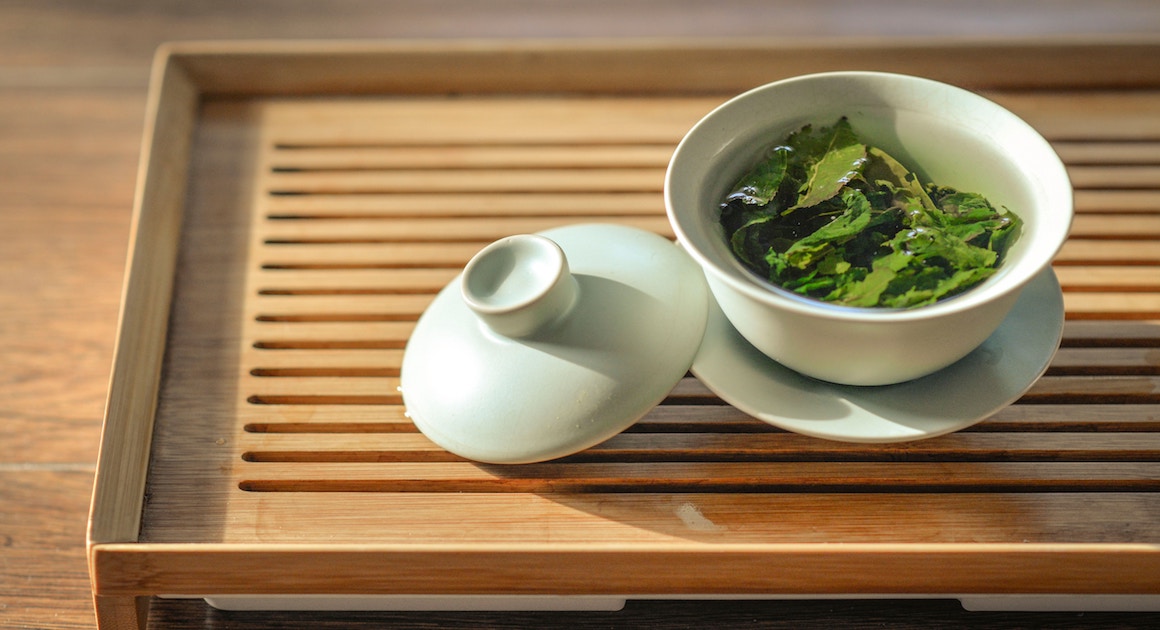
734,447
286,159
677,477
592,206
1078,390
1111,334
1068,361
472,230
675,418
435,181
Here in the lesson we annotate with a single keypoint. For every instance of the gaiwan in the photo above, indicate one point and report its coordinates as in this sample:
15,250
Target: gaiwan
835,187
824,215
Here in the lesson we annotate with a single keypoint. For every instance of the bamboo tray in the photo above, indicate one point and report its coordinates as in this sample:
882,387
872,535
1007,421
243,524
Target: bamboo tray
300,204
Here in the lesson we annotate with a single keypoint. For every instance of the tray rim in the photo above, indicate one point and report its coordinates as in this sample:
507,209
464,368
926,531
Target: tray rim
184,74
557,569
258,67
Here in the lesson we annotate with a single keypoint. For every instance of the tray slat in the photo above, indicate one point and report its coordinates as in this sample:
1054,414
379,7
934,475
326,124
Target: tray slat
316,230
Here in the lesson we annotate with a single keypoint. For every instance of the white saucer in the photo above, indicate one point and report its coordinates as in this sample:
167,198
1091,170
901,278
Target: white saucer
990,378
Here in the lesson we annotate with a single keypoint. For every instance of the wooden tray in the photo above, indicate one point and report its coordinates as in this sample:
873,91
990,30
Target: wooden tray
300,204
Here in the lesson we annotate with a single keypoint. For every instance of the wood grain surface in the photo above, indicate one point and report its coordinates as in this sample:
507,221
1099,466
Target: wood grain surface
73,80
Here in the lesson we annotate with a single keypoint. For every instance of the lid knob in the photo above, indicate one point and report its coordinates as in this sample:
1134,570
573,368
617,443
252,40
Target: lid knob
519,285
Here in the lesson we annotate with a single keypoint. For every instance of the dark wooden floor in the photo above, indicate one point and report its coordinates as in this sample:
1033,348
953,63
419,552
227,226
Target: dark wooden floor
73,78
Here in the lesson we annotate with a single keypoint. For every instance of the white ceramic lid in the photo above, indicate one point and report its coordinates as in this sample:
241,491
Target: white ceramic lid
548,344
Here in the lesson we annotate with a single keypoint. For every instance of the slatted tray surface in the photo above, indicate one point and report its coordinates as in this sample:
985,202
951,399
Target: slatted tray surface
318,228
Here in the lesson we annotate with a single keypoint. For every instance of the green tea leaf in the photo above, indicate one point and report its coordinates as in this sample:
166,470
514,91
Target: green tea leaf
842,162
834,264
1005,235
760,185
867,292
748,239
968,206
945,286
846,226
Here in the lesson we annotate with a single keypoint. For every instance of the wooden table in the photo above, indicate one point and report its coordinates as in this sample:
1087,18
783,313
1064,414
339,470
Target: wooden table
72,100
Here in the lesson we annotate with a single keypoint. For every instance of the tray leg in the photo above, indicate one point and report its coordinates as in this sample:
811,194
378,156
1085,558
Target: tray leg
122,613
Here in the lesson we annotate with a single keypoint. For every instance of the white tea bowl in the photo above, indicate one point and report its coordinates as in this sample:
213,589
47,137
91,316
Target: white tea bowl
949,136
